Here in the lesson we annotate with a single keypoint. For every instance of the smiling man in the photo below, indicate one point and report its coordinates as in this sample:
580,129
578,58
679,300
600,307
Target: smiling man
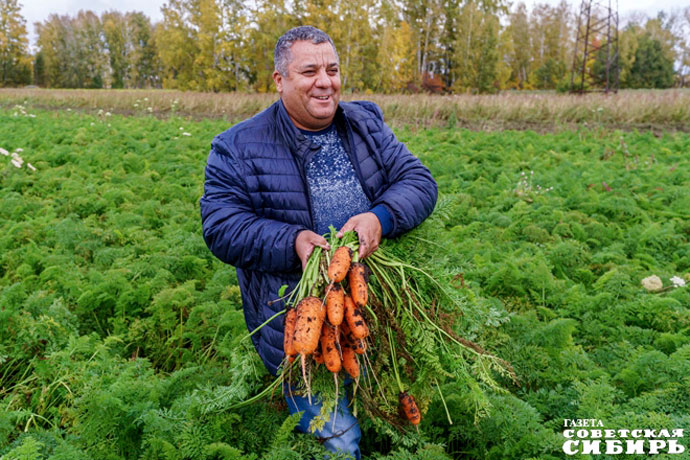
308,80
276,182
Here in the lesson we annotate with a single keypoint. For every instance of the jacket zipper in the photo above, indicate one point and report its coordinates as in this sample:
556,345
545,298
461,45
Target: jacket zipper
301,164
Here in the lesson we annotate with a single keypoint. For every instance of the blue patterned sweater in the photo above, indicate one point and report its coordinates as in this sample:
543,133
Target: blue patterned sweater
336,194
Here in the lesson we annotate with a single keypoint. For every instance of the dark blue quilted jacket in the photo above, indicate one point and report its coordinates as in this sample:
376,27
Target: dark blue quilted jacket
256,200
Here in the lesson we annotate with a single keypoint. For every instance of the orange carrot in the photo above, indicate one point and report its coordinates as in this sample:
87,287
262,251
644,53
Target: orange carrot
358,284
331,356
318,356
359,345
355,320
350,360
335,300
308,325
322,311
340,264
409,406
289,332
346,332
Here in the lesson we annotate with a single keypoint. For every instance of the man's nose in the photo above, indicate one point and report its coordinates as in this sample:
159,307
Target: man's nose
322,79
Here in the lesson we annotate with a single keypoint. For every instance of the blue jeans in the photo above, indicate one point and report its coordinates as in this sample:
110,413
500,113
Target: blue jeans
343,437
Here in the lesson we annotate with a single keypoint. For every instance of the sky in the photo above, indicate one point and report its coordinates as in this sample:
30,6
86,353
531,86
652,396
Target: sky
625,7
39,10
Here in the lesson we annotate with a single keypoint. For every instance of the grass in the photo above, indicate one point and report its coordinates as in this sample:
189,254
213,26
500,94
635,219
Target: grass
655,110
121,334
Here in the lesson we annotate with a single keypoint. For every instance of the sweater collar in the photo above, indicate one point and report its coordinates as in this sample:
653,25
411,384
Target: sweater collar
298,142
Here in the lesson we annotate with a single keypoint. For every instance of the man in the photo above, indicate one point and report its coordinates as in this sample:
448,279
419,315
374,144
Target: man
274,184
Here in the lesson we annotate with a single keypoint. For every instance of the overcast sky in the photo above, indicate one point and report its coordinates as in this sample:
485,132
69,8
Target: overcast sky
39,10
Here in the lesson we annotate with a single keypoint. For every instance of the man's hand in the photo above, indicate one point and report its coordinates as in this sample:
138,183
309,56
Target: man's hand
305,242
368,230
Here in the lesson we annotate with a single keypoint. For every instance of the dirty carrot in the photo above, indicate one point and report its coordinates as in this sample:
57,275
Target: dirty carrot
340,264
350,360
409,407
308,325
355,320
318,356
335,299
358,284
331,355
358,345
289,333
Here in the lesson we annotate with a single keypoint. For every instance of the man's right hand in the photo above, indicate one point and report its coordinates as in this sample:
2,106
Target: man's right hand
305,243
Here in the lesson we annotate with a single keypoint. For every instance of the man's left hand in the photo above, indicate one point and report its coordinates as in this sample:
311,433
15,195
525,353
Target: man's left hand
368,230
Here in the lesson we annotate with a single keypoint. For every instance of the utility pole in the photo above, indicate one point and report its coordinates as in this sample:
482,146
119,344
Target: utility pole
595,58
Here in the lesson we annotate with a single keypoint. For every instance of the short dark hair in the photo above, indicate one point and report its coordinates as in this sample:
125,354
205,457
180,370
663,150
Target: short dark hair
281,54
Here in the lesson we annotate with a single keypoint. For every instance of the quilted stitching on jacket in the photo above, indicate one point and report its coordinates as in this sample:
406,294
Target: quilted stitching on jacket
255,201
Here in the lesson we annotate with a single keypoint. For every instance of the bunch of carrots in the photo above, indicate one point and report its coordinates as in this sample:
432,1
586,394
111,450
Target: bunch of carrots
331,328
387,324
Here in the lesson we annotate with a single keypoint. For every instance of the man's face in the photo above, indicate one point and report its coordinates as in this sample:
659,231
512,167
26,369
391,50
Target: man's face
311,89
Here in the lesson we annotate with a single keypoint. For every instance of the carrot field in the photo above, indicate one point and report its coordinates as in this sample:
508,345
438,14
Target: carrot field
122,336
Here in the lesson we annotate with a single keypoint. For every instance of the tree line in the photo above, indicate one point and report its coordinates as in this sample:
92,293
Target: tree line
385,46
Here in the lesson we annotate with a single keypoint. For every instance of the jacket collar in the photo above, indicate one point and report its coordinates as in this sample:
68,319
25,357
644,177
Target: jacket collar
293,137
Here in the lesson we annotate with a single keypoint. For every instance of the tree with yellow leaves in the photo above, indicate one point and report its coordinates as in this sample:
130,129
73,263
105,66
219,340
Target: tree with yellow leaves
396,58
15,62
272,18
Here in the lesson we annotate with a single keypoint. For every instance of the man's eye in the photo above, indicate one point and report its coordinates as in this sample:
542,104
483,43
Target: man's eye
333,71
308,72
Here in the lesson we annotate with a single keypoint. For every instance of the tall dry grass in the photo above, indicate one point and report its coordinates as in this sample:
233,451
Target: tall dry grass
642,109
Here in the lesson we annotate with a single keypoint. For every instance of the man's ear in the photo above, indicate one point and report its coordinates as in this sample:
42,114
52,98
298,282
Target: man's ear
278,79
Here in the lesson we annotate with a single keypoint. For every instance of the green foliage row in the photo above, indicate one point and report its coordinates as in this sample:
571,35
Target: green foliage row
121,335
560,229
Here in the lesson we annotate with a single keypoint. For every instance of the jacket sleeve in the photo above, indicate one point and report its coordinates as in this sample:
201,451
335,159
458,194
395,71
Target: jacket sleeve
412,192
232,230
